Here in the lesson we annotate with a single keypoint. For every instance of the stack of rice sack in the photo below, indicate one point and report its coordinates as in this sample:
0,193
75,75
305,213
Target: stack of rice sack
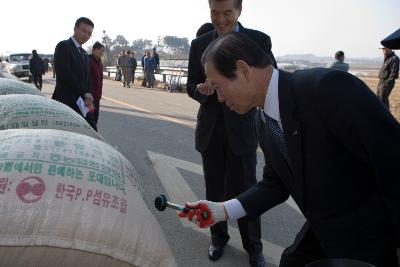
9,86
67,198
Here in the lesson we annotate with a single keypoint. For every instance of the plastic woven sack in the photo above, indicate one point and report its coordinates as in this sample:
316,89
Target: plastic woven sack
9,86
36,112
70,200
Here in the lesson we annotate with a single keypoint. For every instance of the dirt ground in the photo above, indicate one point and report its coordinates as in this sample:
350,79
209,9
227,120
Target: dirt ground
394,98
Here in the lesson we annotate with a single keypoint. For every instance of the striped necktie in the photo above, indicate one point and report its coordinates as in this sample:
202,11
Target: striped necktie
83,54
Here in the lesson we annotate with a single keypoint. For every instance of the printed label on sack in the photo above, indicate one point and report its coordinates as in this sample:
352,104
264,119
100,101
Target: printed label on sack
16,112
88,172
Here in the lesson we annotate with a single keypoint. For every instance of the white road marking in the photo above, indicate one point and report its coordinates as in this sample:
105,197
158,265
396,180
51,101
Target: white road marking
179,191
150,113
163,117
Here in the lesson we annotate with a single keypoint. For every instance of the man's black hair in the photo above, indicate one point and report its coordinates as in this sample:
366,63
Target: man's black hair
85,21
225,51
339,55
205,28
238,3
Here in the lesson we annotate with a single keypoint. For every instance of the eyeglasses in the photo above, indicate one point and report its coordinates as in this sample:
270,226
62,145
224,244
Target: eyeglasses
88,33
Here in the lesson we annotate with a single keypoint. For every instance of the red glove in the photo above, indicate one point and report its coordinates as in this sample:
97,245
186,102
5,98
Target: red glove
216,213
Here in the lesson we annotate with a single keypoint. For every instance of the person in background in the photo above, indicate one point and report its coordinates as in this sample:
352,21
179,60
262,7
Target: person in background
124,65
133,65
46,64
96,73
53,67
156,58
144,81
388,74
339,64
205,28
149,68
37,69
72,67
118,72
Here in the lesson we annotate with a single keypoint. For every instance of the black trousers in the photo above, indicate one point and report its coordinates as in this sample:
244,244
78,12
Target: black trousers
93,117
306,249
384,91
37,80
226,176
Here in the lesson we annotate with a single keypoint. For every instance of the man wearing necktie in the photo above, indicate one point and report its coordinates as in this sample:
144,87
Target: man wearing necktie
227,141
328,142
72,67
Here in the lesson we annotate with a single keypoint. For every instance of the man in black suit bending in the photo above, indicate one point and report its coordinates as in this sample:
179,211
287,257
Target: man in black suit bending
328,142
72,67
227,141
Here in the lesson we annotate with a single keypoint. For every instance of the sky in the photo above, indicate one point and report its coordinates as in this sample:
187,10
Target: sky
320,27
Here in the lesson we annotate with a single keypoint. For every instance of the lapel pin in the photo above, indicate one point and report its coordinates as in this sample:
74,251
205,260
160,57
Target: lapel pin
295,132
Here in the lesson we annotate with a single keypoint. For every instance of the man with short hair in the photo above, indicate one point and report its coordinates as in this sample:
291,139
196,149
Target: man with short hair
156,57
205,28
124,65
144,81
46,64
340,165
72,67
96,71
37,69
227,142
133,66
339,64
150,65
388,74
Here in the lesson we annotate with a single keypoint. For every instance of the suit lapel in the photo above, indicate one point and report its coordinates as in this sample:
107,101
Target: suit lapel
291,130
241,28
75,50
78,57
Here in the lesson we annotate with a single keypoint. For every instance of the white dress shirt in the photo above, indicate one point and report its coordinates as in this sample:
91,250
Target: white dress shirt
233,207
76,43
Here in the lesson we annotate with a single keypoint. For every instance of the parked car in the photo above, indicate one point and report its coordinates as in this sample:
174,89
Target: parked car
18,64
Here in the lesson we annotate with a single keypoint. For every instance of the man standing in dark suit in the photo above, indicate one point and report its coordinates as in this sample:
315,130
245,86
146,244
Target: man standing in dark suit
37,69
72,67
227,141
340,165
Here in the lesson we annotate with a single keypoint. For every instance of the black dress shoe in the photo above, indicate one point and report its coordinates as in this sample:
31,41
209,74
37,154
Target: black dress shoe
215,252
257,260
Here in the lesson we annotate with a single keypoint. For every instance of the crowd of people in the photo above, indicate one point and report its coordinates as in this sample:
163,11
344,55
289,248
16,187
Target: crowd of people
339,165
127,65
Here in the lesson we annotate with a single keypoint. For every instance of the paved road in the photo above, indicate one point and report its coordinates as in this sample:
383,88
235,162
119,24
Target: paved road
155,131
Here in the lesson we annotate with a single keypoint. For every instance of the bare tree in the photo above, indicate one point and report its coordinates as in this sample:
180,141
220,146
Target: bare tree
141,45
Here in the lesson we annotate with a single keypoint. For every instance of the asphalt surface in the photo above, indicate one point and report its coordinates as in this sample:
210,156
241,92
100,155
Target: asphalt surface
154,130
